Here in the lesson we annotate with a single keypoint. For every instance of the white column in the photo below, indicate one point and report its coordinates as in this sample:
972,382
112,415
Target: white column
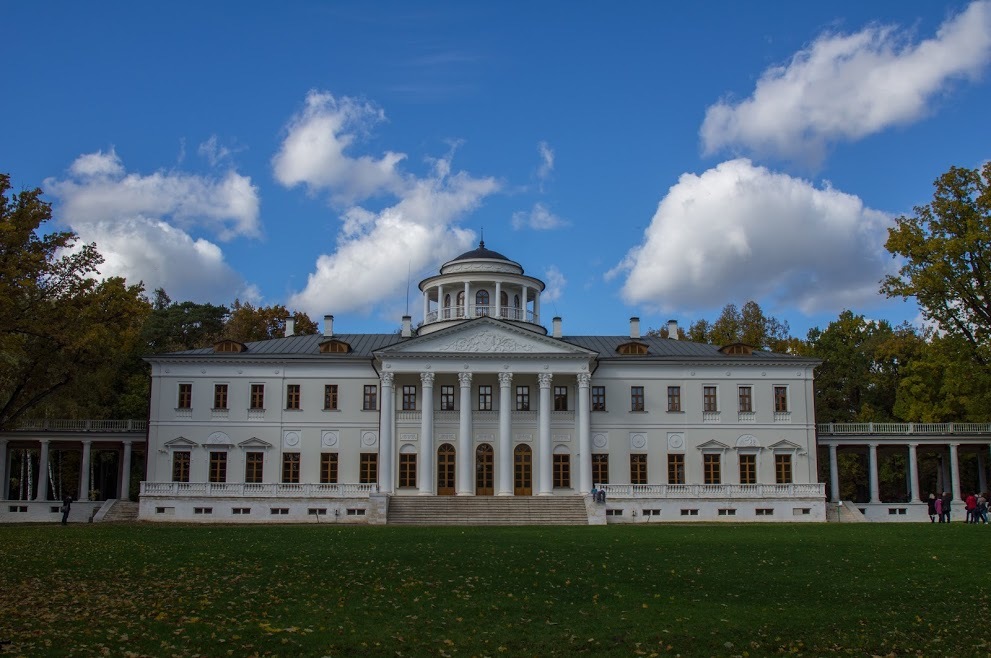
468,303
505,434
913,472
84,467
124,486
426,304
427,435
834,474
498,299
584,436
465,477
387,426
42,493
545,481
536,305
955,473
872,472
523,304
440,303
4,488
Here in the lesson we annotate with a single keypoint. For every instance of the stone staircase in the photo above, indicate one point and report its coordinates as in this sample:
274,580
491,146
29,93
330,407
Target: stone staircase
848,512
487,510
122,511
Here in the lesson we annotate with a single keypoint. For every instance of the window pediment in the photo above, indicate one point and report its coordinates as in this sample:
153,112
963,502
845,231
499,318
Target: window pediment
334,346
633,348
737,349
228,346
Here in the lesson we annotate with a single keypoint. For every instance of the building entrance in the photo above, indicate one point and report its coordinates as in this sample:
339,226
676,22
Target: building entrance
484,471
445,470
522,471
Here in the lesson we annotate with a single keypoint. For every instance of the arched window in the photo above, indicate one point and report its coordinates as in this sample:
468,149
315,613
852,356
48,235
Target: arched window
461,304
503,303
481,303
447,307
516,305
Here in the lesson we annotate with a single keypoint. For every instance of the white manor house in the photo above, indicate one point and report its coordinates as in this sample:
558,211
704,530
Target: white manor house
480,400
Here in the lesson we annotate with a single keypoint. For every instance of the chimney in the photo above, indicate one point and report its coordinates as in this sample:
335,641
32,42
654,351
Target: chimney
290,327
673,329
635,328
556,327
328,326
407,326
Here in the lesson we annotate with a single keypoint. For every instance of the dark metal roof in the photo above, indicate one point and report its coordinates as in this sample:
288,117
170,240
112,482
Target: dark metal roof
481,252
362,346
666,348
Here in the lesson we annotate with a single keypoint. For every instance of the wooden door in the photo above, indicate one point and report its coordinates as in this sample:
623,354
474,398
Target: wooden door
522,471
484,471
445,470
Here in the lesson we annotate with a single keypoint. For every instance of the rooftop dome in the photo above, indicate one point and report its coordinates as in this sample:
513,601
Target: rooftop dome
480,252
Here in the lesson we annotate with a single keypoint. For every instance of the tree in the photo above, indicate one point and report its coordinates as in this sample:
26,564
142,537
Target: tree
946,252
248,323
174,326
941,384
58,323
749,325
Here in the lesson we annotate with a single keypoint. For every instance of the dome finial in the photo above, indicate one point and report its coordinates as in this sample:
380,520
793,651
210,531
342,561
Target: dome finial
481,242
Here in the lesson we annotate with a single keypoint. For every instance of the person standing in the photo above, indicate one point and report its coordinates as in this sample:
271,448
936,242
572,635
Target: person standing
938,506
66,505
932,508
981,512
947,506
970,504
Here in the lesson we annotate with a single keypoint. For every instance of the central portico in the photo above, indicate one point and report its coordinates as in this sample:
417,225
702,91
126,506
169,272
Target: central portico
511,404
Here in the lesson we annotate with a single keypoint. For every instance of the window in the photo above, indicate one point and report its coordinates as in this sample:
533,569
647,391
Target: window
560,398
676,469
447,398
598,398
632,348
370,399
709,399
258,396
485,398
328,468
290,467
447,306
638,469
461,304
674,398
710,469
407,469
330,396
292,396
503,302
523,398
746,399
781,399
253,467
748,469
369,468
218,467
409,398
180,466
185,400
600,468
782,469
220,396
562,471
482,302
636,398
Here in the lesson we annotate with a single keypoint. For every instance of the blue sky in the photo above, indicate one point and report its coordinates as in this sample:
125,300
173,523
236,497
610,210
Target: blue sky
651,159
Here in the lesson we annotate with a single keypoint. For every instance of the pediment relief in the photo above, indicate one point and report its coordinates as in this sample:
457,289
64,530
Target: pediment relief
485,336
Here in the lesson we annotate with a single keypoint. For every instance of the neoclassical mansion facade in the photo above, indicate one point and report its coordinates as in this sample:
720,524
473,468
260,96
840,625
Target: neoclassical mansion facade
480,400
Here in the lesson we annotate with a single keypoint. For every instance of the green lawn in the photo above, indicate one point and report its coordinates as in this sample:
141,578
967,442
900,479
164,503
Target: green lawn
693,590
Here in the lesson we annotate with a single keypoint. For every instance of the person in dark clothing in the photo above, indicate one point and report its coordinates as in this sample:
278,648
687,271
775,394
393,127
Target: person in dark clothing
932,508
66,504
947,500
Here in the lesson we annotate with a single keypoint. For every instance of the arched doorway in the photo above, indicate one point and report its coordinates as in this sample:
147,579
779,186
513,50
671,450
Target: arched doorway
445,470
484,471
522,471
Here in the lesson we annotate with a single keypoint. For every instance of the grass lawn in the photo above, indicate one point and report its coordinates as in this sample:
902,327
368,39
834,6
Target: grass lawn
661,590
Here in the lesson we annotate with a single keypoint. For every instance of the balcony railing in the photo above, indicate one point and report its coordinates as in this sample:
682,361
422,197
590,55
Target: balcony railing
478,310
903,429
720,491
56,425
259,490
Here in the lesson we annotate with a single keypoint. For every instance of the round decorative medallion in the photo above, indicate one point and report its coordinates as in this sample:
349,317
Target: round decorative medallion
676,441
639,441
692,373
763,374
329,439
218,437
203,371
728,373
276,371
388,366
167,370
368,438
599,440
292,438
239,371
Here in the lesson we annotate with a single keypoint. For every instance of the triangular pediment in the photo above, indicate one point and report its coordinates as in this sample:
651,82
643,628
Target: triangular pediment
254,443
713,445
784,444
484,336
180,443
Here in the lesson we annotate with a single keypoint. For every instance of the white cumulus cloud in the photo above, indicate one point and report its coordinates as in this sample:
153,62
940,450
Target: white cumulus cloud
554,283
376,246
144,226
546,161
844,87
739,231
540,218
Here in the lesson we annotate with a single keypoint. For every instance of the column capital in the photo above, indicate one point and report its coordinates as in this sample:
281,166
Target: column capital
544,379
584,379
427,379
505,378
387,379
465,379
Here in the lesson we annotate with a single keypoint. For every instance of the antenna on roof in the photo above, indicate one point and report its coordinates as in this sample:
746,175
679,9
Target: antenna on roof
481,241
